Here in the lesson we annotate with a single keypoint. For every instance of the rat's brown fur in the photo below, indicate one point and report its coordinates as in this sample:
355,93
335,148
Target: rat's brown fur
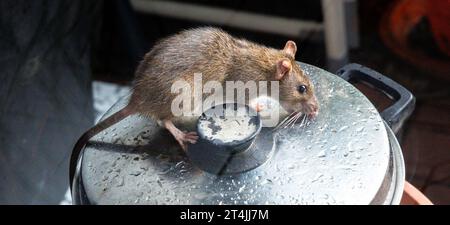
219,57
215,54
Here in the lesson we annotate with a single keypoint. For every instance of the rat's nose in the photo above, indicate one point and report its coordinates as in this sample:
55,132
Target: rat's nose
312,108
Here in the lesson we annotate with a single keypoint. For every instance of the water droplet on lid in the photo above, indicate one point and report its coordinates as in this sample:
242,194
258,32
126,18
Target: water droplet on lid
136,173
144,168
321,154
121,182
241,189
266,181
278,168
160,184
179,164
318,176
342,128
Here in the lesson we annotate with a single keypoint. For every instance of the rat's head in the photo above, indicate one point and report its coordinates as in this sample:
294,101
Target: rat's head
296,89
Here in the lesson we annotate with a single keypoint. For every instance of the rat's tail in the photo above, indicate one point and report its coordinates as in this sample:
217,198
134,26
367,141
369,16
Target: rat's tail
83,140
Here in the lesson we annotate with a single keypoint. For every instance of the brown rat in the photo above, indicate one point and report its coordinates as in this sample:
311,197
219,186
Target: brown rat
219,57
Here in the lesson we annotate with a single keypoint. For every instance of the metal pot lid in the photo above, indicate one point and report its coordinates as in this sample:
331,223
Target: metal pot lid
339,158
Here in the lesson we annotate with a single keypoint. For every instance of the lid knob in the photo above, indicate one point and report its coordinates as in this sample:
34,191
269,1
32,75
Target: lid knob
227,135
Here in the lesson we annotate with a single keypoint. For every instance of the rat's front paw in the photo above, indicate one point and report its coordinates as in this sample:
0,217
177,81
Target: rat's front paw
183,138
190,137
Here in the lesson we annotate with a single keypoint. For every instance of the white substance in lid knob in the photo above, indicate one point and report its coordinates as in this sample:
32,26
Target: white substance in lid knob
232,126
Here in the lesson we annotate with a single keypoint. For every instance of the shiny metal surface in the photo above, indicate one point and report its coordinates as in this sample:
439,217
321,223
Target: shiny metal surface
391,191
341,157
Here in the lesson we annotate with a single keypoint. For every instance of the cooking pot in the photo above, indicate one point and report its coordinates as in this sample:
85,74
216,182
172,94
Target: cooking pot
347,155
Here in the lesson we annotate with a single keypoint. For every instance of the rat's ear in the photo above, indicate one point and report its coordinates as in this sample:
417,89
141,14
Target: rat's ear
290,48
283,68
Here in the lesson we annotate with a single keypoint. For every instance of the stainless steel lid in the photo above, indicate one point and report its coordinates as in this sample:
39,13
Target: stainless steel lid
341,157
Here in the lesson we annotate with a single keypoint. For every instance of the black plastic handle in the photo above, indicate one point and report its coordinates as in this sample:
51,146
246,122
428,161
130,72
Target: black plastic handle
396,114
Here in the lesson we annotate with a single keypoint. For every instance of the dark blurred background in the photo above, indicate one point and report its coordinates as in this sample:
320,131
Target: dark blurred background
52,50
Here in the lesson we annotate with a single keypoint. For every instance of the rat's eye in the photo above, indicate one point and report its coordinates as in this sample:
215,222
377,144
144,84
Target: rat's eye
301,89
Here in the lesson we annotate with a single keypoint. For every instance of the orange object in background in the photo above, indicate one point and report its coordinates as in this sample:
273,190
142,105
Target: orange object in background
438,13
400,20
412,196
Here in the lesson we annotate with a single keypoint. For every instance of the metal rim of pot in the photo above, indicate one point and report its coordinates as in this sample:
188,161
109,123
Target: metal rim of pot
394,116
